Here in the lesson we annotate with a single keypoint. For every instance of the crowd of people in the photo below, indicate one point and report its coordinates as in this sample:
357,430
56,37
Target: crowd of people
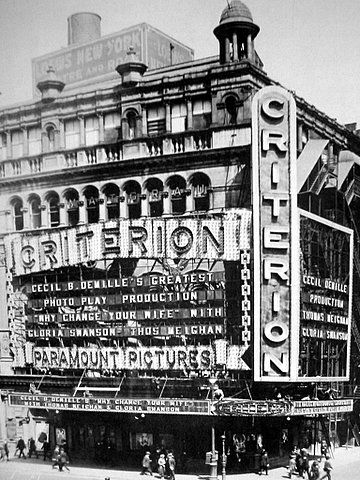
299,463
164,463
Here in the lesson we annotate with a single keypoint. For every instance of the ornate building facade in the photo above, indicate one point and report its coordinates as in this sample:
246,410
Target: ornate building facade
177,252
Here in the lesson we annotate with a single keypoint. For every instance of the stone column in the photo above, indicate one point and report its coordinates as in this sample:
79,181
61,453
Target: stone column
8,145
144,121
25,141
227,49
167,202
82,130
61,134
123,207
101,127
189,114
26,217
102,207
235,48
168,117
144,205
44,216
63,214
189,202
250,48
82,209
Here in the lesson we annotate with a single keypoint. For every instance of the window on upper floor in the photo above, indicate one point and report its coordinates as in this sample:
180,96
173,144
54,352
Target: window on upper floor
131,124
200,184
3,144
91,130
17,143
156,123
112,122
18,214
177,190
178,117
92,204
72,133
50,138
155,188
34,140
112,198
231,109
54,210
72,207
35,212
132,191
201,114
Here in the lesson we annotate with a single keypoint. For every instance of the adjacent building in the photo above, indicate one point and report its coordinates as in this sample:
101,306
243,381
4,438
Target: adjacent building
179,253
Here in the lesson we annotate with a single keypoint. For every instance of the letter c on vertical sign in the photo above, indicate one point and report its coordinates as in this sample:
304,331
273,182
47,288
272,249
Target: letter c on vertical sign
273,108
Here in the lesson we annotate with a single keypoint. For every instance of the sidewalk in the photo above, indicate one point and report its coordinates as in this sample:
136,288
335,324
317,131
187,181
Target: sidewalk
36,469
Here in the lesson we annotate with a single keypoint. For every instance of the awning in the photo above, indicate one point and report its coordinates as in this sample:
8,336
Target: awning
308,158
346,162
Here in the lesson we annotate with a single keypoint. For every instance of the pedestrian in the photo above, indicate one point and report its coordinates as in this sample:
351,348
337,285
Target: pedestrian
327,467
32,448
56,456
324,448
2,452
315,470
161,465
21,447
171,464
46,447
292,465
63,460
264,462
305,466
6,450
146,464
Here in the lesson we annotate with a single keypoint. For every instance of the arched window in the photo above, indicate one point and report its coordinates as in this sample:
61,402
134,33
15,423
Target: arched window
35,212
132,194
50,137
231,109
155,188
72,207
18,214
92,204
177,187
131,121
200,184
53,210
112,198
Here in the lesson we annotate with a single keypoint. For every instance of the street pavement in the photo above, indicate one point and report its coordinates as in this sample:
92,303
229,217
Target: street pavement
346,467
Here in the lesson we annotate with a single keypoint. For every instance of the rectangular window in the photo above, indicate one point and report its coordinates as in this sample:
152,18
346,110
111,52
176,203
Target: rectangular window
91,131
72,134
201,114
112,120
34,139
111,127
17,143
156,123
178,118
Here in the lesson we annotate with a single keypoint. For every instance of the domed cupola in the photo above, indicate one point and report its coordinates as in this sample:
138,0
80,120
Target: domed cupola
236,32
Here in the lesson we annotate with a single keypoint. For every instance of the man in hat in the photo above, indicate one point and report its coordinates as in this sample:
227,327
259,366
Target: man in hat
146,464
171,464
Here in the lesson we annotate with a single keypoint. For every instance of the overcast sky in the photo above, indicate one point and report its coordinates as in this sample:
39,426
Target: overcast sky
310,46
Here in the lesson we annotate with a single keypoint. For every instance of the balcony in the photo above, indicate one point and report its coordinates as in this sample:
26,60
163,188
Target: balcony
145,147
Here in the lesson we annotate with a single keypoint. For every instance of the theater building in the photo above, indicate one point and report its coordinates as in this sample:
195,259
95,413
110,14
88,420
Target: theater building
179,251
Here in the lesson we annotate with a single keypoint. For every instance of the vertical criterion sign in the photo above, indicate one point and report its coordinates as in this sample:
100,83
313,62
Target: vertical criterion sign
275,235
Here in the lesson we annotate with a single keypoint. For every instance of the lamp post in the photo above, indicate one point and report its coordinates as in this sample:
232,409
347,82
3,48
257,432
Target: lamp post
223,459
213,462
